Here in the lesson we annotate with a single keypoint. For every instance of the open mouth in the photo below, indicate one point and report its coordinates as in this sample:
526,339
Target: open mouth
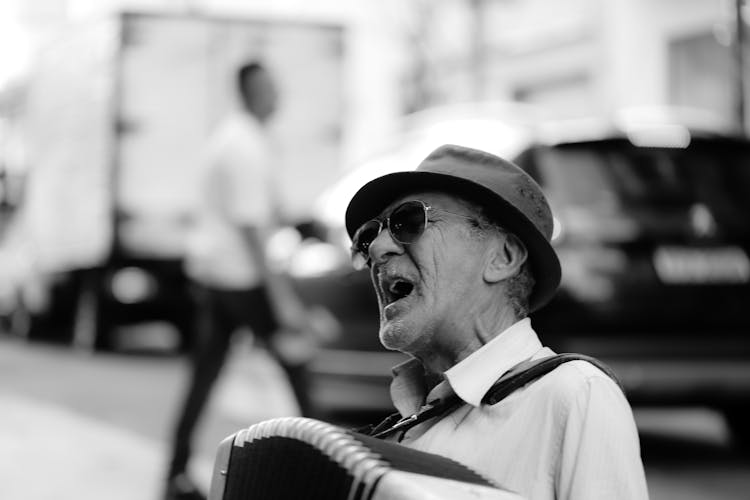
397,289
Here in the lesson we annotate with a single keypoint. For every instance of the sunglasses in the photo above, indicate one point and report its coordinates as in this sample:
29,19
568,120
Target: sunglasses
405,223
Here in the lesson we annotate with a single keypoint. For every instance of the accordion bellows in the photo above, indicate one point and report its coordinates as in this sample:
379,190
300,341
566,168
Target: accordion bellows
301,458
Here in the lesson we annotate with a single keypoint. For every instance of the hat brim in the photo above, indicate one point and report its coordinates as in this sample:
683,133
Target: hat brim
377,194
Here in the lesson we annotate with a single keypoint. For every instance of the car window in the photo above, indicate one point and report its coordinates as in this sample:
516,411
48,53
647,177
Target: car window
620,177
577,177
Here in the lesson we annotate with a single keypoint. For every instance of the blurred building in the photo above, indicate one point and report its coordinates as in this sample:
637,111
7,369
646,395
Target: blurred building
579,57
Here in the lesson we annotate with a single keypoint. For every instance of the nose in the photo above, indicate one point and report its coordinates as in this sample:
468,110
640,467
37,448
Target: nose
383,247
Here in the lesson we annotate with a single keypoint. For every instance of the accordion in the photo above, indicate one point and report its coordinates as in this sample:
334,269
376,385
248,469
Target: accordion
301,458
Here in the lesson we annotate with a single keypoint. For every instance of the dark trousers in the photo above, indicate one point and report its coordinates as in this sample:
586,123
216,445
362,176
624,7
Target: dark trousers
221,313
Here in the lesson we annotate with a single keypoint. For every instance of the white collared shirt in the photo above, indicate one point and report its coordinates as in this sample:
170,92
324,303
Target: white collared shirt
568,435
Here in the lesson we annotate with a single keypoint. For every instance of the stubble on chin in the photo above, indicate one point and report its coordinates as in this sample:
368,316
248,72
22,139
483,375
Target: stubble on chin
391,336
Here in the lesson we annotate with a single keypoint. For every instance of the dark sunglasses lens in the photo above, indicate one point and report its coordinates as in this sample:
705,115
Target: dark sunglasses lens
364,237
407,222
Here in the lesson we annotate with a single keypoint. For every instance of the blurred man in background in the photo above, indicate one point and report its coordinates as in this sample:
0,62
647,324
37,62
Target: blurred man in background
236,286
459,254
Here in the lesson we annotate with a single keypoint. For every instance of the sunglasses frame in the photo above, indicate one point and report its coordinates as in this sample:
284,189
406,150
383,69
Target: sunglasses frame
361,257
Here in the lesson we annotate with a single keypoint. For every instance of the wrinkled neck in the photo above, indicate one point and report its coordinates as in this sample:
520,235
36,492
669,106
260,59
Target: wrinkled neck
485,322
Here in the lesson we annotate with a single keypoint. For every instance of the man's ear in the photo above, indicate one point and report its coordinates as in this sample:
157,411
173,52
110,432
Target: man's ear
507,255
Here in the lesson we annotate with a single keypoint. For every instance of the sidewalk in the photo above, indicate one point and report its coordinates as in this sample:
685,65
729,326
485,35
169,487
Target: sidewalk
50,453
96,427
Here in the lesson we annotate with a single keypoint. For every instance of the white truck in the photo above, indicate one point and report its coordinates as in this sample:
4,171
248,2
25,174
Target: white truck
116,114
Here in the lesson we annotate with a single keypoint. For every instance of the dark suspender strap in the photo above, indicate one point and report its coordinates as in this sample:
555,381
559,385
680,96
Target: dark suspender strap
439,407
386,423
522,374
517,379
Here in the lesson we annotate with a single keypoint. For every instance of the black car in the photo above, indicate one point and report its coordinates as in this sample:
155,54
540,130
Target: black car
653,233
654,242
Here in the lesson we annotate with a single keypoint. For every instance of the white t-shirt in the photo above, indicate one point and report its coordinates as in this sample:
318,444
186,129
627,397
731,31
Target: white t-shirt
236,189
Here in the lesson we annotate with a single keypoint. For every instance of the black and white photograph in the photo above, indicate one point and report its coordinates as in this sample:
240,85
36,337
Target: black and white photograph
374,249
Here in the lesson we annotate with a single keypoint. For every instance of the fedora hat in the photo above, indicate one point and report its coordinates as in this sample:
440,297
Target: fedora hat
507,193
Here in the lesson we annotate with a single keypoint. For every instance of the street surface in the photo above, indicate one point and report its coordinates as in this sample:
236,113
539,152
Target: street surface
95,426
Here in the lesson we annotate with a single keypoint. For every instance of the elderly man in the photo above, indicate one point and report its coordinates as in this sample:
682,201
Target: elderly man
459,254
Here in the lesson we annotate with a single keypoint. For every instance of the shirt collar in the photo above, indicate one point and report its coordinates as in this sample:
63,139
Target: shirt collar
408,387
474,375
471,378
